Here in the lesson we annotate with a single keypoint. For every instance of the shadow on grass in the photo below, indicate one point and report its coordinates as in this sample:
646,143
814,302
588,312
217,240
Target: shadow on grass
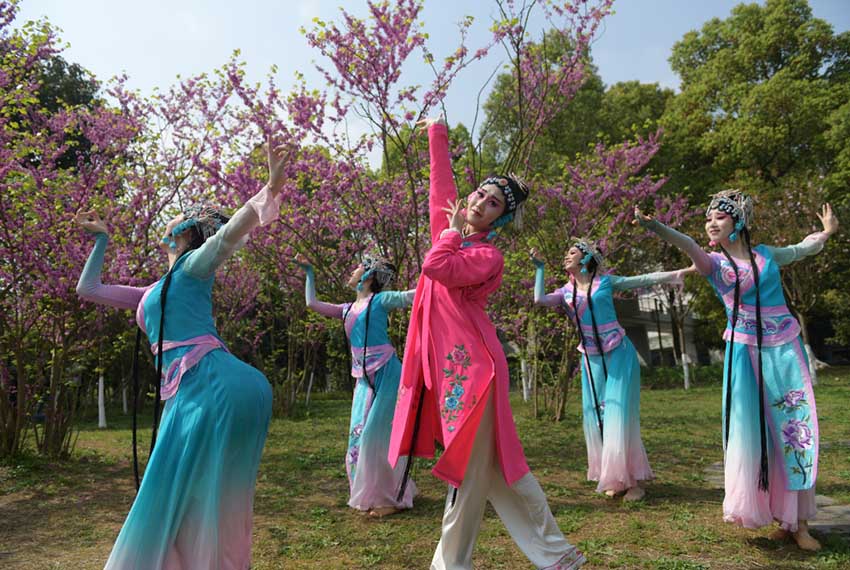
833,488
36,503
835,552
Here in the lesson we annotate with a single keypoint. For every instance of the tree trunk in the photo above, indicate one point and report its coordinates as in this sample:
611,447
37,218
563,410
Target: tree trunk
526,380
101,403
685,358
529,372
312,376
534,390
22,390
658,330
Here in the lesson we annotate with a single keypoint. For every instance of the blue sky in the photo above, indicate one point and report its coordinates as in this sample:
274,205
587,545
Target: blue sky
155,40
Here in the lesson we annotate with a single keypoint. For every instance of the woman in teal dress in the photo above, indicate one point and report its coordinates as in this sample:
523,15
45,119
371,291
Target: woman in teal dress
770,421
194,507
373,483
610,373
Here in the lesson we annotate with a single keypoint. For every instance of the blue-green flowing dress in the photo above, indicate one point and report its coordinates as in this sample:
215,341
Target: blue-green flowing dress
195,505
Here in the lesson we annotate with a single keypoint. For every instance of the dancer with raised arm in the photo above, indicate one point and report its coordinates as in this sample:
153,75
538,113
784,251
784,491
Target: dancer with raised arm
454,382
770,423
372,482
195,505
610,372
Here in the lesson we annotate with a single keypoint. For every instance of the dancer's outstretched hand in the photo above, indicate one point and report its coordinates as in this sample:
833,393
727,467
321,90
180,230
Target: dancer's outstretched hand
535,257
276,157
428,121
828,219
640,217
454,213
302,262
91,221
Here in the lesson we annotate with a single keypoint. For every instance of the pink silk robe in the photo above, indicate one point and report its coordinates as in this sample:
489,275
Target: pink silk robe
452,351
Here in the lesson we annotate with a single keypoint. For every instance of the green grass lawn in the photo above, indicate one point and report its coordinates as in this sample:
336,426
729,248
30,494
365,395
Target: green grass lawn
67,514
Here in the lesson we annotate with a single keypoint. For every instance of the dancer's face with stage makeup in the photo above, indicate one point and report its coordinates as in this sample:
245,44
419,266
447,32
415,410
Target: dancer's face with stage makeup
356,275
354,280
572,260
718,226
484,206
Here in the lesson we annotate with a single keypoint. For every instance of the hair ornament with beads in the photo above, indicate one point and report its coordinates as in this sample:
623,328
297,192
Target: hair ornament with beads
205,218
378,268
590,251
516,192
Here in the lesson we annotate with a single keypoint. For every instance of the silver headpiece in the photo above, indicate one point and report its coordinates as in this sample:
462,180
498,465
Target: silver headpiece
735,203
378,268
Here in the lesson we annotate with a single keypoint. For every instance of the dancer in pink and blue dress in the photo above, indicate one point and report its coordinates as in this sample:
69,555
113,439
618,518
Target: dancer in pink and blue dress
373,483
770,424
610,372
195,504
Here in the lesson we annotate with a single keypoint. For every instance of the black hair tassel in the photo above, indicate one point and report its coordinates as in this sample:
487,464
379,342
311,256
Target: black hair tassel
764,479
599,421
737,299
415,432
136,405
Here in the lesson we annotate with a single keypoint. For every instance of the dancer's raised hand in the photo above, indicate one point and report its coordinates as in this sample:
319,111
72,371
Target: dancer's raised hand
640,217
428,121
302,262
91,221
454,213
828,219
535,257
276,157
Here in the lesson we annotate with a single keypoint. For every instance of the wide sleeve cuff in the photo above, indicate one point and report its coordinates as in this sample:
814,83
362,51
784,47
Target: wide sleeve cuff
266,205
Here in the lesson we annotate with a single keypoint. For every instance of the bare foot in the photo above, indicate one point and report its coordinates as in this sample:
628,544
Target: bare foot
382,512
779,535
804,540
611,493
636,493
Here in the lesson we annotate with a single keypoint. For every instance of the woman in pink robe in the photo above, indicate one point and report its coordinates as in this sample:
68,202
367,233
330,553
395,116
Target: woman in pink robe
454,380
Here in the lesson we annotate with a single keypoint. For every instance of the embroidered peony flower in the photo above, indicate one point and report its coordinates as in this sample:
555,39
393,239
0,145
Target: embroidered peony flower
358,429
353,455
793,398
457,356
797,434
458,391
451,403
728,274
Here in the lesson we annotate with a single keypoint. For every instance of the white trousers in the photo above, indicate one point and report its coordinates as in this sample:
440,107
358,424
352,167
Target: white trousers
522,508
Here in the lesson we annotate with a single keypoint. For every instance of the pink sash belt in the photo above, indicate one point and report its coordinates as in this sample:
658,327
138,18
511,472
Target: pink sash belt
176,370
376,357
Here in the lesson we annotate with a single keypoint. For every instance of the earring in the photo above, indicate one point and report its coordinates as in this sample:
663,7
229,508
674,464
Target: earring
739,226
363,278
